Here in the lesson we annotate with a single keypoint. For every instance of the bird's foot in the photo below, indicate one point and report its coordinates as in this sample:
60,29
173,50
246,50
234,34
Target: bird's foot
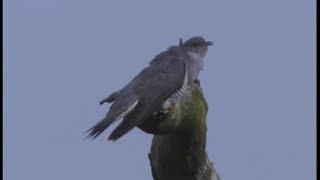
174,109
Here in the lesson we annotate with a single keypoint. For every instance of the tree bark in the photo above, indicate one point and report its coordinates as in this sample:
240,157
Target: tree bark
178,146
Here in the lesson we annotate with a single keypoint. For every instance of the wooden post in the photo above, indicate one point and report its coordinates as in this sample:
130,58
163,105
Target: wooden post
178,146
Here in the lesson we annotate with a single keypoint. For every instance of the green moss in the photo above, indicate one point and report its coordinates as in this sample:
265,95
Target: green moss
180,153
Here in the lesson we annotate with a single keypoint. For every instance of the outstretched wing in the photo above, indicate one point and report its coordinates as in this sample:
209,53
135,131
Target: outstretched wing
153,86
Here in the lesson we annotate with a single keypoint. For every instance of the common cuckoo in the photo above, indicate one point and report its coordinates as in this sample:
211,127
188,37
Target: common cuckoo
156,88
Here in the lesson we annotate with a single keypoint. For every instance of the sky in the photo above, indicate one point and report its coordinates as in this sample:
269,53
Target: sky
61,57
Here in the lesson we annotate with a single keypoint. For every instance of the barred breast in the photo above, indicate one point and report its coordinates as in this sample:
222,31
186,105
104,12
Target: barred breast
176,97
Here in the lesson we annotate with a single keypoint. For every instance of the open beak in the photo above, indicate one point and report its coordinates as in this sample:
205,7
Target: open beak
209,43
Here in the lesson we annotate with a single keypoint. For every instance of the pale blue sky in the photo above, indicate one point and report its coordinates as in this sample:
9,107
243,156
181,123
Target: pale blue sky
61,57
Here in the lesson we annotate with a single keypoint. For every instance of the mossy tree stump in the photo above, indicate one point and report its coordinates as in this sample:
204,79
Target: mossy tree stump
178,146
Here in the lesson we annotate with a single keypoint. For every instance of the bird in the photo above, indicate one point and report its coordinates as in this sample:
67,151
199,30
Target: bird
158,87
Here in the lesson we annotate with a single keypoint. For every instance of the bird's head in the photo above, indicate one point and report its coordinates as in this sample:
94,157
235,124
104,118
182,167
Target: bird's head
196,45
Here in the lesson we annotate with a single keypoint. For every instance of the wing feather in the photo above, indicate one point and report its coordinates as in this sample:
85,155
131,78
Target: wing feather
153,85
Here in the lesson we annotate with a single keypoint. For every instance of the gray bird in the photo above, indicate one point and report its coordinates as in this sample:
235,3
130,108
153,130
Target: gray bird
156,88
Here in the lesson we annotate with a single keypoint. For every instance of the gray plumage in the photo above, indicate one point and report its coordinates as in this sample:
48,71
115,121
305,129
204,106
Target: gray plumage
156,87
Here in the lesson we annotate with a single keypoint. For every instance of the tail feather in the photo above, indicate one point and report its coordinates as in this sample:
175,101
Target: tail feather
117,111
129,121
125,126
110,98
97,129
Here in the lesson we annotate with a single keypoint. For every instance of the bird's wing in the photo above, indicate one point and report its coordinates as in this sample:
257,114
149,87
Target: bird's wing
153,86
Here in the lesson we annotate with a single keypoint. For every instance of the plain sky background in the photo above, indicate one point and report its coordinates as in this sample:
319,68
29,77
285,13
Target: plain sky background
61,57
